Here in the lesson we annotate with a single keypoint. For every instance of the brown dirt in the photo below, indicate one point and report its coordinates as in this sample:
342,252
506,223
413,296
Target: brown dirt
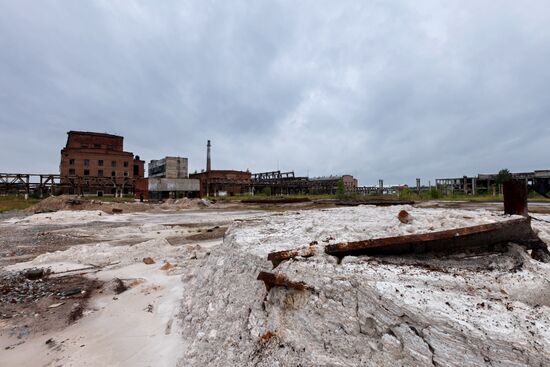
25,307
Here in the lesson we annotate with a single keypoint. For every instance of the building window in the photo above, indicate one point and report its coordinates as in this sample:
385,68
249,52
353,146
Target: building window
113,174
136,170
86,163
86,172
72,172
99,173
110,147
125,173
125,163
97,145
71,162
84,145
113,163
100,163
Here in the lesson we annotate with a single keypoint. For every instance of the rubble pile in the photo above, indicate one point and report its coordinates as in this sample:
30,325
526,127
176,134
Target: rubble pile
23,287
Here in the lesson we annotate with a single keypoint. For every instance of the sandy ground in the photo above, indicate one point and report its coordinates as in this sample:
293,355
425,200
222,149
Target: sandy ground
139,327
200,304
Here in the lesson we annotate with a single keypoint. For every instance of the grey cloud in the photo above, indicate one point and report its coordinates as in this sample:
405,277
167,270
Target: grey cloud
378,89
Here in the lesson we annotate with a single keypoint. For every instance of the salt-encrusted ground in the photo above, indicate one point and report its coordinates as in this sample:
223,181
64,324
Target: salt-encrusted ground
488,309
483,309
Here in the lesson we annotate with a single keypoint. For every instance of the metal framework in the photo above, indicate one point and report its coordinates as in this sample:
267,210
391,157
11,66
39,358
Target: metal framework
53,184
280,182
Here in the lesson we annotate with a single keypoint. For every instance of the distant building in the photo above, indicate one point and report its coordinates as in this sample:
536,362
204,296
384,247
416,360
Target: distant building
538,181
168,167
96,164
168,178
350,183
329,184
223,182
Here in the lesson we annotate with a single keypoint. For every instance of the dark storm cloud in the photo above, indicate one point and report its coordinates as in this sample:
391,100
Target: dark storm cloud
379,89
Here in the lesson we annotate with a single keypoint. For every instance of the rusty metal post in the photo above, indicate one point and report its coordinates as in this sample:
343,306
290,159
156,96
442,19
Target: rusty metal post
515,197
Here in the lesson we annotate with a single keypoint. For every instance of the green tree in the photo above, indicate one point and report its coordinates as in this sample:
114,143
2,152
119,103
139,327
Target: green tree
340,188
266,191
405,193
503,176
434,193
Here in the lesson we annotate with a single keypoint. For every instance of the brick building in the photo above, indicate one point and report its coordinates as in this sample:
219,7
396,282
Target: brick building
96,164
350,183
223,182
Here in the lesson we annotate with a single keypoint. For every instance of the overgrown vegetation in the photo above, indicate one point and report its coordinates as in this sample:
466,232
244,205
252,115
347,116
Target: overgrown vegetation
8,203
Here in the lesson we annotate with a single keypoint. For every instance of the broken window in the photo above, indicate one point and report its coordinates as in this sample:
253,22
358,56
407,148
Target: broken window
109,146
113,163
99,173
72,172
113,173
84,145
100,162
86,172
97,145
125,163
86,163
125,173
136,170
71,162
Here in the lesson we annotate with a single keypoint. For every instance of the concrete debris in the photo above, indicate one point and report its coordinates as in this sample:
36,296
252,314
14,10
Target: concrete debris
70,292
119,286
148,260
167,266
35,273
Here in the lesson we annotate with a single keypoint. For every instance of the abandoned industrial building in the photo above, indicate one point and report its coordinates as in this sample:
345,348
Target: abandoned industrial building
96,164
168,178
221,182
538,181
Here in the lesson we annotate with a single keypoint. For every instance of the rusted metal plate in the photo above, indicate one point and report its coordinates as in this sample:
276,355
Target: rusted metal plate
280,280
515,197
277,257
486,235
374,202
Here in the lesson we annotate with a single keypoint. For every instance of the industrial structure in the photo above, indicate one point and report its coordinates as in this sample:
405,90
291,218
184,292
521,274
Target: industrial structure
221,182
96,164
168,167
168,178
279,183
284,183
538,181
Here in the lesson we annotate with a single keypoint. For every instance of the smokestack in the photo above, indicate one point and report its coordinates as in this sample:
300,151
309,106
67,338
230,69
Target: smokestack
208,167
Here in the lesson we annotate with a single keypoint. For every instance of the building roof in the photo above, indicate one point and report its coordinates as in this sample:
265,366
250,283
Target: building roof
91,133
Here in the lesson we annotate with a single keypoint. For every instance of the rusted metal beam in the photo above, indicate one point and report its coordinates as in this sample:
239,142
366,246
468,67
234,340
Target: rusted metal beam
280,280
481,236
515,197
277,257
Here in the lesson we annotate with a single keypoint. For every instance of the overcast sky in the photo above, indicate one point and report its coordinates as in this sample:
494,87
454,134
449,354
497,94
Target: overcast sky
378,89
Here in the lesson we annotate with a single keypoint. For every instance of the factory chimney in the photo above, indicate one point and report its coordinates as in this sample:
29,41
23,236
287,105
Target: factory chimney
208,167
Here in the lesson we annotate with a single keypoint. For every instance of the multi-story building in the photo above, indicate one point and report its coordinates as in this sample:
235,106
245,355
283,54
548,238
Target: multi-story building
96,163
168,167
168,178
